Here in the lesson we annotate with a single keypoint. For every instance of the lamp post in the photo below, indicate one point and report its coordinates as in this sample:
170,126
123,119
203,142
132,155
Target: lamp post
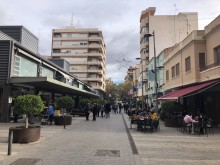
142,90
155,66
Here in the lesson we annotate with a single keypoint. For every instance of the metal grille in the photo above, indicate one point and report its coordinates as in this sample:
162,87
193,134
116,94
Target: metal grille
26,161
109,153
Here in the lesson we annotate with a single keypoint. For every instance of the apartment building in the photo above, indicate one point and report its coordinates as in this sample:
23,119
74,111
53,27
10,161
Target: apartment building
168,30
133,76
192,71
109,81
85,50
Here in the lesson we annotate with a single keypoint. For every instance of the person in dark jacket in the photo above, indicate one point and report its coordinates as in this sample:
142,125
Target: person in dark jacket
107,110
94,111
87,111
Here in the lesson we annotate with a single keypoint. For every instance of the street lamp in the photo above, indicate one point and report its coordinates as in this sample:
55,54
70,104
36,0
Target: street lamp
155,66
142,90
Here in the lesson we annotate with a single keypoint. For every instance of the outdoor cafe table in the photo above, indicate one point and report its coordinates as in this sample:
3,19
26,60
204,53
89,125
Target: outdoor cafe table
193,127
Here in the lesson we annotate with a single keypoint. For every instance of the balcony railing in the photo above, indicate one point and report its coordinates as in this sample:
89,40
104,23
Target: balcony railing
210,66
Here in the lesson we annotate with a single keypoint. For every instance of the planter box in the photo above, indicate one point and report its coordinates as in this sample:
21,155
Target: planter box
59,120
25,135
171,123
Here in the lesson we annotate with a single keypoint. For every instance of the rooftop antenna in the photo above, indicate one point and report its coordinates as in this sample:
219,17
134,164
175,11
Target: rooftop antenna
78,23
71,20
174,24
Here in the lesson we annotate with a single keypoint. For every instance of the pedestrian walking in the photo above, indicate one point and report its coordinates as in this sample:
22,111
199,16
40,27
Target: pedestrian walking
102,108
87,111
115,108
51,113
107,110
94,111
120,107
126,107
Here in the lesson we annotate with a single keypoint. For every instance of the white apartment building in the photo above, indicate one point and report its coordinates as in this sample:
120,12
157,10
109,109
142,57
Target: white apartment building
168,31
85,50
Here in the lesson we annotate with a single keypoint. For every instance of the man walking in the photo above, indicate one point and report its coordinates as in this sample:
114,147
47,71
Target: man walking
51,113
107,110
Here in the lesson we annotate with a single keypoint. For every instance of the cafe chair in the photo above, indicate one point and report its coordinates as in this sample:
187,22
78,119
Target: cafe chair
209,127
147,125
180,123
200,128
187,127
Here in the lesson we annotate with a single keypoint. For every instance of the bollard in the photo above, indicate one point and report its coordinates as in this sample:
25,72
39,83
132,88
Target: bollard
64,120
10,139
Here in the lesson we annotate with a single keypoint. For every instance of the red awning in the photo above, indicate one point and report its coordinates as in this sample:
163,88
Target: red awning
185,91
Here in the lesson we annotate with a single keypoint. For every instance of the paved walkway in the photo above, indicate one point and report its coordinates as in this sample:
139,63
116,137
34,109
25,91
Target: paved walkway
106,142
171,147
101,142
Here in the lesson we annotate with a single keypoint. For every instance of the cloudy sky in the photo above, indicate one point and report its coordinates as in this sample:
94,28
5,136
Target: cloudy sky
118,20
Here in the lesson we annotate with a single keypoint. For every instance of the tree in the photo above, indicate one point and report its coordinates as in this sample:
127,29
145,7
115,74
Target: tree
29,105
65,102
111,90
123,89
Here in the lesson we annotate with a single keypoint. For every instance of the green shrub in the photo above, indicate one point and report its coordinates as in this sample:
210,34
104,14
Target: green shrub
64,102
171,107
84,102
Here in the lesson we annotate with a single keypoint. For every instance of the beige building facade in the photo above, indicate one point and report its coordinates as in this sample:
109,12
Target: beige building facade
85,50
168,30
133,76
192,71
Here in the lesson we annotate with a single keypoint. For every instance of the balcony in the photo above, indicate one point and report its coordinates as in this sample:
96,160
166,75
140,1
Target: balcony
94,79
95,38
70,54
95,71
98,88
74,46
210,72
70,38
95,63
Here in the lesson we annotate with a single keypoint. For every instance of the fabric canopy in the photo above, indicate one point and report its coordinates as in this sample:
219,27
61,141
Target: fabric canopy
188,90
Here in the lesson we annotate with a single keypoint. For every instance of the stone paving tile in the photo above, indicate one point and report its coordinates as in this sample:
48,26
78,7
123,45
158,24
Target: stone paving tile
169,146
78,144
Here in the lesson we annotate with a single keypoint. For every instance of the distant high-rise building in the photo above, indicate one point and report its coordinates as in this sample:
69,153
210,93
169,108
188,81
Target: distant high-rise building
109,81
85,50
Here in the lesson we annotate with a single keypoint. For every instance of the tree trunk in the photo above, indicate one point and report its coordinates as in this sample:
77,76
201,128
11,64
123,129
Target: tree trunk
26,121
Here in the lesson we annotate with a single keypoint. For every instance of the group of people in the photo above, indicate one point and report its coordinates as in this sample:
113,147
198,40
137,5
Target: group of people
117,107
199,120
105,110
139,115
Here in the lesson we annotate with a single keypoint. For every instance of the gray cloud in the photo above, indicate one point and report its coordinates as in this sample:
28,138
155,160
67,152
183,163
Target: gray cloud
118,20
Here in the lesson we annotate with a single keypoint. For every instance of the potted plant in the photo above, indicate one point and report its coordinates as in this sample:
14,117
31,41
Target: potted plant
29,105
65,104
170,111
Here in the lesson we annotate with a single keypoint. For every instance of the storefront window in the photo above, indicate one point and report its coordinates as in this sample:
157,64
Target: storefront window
46,72
25,67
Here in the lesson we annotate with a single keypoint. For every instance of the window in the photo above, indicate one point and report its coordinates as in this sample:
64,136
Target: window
56,50
202,61
46,72
187,64
69,35
173,71
20,67
17,65
177,69
167,75
57,35
217,55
